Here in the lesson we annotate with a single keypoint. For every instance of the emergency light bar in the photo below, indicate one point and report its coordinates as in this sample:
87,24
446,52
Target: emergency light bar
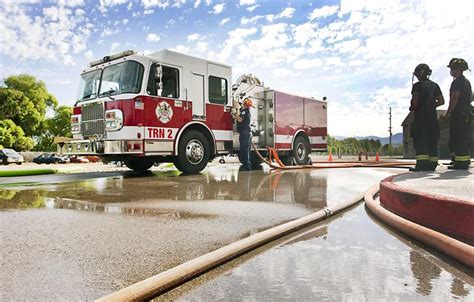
112,57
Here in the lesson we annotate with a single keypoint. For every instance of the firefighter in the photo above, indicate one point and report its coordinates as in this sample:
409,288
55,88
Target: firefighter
426,96
459,114
245,136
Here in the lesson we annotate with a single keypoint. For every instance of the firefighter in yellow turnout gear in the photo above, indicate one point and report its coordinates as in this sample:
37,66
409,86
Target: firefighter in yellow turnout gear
426,96
459,114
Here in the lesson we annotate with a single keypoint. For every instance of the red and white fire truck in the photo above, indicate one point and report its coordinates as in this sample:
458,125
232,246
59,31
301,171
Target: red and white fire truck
171,107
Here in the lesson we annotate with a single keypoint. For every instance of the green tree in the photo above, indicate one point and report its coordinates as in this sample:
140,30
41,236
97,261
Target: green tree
12,136
25,100
58,125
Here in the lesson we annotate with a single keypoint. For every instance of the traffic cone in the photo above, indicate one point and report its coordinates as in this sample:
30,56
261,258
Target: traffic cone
377,158
330,156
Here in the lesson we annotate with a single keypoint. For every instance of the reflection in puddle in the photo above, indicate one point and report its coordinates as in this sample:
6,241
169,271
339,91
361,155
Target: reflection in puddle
344,259
64,203
302,187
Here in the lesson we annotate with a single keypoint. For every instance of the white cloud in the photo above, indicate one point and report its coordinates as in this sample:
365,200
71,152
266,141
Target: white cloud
246,2
325,11
254,19
197,3
218,8
148,12
163,4
53,34
286,13
114,46
104,5
307,63
153,38
194,37
252,8
224,21
70,3
89,55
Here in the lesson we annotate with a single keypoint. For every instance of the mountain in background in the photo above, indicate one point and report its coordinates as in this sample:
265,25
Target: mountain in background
397,139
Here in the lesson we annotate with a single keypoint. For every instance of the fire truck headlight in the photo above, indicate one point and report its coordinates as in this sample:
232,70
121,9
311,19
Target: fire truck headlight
113,120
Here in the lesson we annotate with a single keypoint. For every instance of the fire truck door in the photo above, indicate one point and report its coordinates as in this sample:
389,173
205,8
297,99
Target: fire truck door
197,96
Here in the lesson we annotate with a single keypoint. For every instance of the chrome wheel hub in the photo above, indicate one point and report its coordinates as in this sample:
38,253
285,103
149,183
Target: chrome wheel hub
194,152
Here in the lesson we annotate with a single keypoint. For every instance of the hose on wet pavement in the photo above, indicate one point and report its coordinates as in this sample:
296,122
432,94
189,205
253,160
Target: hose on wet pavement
326,165
456,249
174,277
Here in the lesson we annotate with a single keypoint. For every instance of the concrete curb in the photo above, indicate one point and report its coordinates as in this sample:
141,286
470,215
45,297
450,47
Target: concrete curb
167,280
448,245
449,215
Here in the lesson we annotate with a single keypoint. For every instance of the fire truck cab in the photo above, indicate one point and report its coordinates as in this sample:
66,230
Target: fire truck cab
171,107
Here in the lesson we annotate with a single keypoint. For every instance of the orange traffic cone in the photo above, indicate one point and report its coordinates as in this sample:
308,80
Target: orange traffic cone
330,156
377,158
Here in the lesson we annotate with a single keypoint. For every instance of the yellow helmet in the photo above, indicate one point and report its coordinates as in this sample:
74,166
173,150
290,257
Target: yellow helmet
247,103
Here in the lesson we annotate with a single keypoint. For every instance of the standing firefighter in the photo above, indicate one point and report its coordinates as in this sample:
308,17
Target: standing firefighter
426,96
459,114
245,137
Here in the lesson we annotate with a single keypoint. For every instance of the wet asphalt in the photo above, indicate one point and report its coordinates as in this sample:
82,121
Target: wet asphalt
81,236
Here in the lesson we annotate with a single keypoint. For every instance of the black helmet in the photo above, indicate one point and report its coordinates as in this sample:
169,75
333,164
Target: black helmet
458,63
422,70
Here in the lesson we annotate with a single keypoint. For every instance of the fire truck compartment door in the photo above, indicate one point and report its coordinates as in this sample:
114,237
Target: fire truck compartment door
197,96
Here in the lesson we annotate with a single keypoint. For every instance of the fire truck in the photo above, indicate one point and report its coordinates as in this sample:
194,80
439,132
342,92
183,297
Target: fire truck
171,107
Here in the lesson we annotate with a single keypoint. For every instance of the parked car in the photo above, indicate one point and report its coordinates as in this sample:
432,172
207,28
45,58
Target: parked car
78,159
93,159
46,158
10,156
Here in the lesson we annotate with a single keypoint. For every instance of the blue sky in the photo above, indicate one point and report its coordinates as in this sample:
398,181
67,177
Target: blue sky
360,54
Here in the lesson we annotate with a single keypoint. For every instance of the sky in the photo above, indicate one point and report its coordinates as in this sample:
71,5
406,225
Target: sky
359,54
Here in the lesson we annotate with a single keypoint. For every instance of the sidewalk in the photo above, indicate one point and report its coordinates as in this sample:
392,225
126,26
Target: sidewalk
442,200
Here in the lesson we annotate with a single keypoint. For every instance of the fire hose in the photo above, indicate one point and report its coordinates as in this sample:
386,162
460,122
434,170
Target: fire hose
279,164
448,245
174,277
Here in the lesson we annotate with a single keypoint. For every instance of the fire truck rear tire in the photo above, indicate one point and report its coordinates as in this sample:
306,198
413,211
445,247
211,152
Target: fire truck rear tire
139,165
301,150
193,152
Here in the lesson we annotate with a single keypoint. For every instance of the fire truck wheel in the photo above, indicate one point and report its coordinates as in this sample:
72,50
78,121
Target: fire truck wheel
301,150
139,165
193,152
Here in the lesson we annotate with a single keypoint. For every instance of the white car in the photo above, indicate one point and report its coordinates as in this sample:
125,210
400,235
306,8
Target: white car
10,156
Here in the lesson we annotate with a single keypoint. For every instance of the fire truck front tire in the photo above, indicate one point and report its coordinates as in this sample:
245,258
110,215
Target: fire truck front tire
139,165
193,152
301,150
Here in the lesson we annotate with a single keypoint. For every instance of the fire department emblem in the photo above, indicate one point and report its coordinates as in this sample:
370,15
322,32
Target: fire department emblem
164,112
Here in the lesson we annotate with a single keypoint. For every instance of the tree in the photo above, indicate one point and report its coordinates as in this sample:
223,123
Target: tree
12,136
58,125
24,100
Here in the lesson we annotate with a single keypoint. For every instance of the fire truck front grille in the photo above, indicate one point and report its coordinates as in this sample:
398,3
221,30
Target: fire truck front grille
92,120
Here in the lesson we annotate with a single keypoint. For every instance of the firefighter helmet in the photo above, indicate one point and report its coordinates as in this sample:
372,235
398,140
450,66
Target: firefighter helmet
458,63
248,103
422,70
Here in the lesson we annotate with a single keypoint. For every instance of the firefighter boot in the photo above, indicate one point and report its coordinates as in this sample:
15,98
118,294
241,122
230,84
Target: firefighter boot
421,165
432,164
461,163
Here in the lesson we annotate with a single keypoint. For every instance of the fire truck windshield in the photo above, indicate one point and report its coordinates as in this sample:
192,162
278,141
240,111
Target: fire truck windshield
125,77
89,85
